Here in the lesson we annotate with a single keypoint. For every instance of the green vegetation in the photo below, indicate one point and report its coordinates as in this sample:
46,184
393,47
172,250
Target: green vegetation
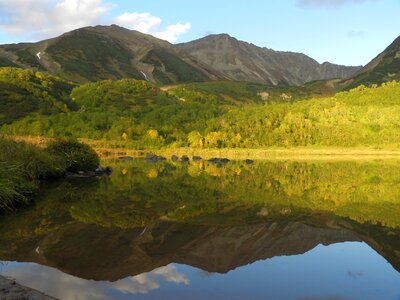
176,69
140,194
138,115
24,92
10,185
360,117
22,55
121,95
77,156
89,56
236,93
5,62
108,109
237,193
23,165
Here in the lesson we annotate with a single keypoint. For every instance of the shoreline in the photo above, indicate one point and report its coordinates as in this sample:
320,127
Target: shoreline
296,154
11,290
307,153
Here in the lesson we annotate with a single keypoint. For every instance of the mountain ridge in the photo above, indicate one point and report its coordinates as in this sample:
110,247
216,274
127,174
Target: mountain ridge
107,52
112,52
384,67
239,60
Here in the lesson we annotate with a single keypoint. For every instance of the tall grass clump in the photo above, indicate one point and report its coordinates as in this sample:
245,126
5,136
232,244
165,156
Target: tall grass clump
75,155
10,188
22,166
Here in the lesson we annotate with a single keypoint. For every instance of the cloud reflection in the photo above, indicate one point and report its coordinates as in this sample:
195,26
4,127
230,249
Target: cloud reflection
60,285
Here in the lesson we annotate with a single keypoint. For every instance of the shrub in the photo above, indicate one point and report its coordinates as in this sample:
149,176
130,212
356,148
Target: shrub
22,165
17,175
77,156
32,161
11,186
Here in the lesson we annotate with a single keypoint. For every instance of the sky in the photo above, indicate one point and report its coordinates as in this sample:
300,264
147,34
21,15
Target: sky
349,32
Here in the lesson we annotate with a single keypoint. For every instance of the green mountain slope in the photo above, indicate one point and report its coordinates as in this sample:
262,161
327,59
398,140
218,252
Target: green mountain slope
107,109
24,92
385,67
106,52
242,93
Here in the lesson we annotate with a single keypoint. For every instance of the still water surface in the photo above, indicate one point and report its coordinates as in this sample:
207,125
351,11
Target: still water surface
271,230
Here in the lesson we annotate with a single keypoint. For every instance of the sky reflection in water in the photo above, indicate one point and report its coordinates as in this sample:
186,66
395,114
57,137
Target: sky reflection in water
348,270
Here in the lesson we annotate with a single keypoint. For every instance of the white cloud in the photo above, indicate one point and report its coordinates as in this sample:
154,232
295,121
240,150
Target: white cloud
144,283
171,274
147,23
40,19
64,286
78,13
46,18
143,22
172,32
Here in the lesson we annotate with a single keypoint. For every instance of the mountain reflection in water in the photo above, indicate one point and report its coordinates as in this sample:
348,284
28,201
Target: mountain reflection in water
149,229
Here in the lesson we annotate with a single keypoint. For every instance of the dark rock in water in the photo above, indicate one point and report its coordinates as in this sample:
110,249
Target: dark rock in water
150,157
81,175
174,158
154,158
103,171
219,160
100,171
185,158
196,158
249,161
126,158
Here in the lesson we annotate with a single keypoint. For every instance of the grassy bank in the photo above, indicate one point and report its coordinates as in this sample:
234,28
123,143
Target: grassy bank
23,166
295,154
110,150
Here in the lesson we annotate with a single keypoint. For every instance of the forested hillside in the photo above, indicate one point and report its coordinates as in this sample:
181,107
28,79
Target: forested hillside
137,114
24,92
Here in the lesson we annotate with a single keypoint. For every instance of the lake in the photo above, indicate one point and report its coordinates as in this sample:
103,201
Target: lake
268,230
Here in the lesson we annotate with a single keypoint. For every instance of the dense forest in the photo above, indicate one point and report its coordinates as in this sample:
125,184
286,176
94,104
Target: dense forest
139,115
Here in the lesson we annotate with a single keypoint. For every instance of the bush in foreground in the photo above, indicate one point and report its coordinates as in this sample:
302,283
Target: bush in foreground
23,165
76,156
11,186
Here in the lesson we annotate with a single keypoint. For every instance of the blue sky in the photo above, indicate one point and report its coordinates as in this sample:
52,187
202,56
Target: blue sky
350,32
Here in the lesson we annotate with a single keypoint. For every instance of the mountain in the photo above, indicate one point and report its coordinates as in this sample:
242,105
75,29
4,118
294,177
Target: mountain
112,52
385,67
214,249
217,249
241,61
106,52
